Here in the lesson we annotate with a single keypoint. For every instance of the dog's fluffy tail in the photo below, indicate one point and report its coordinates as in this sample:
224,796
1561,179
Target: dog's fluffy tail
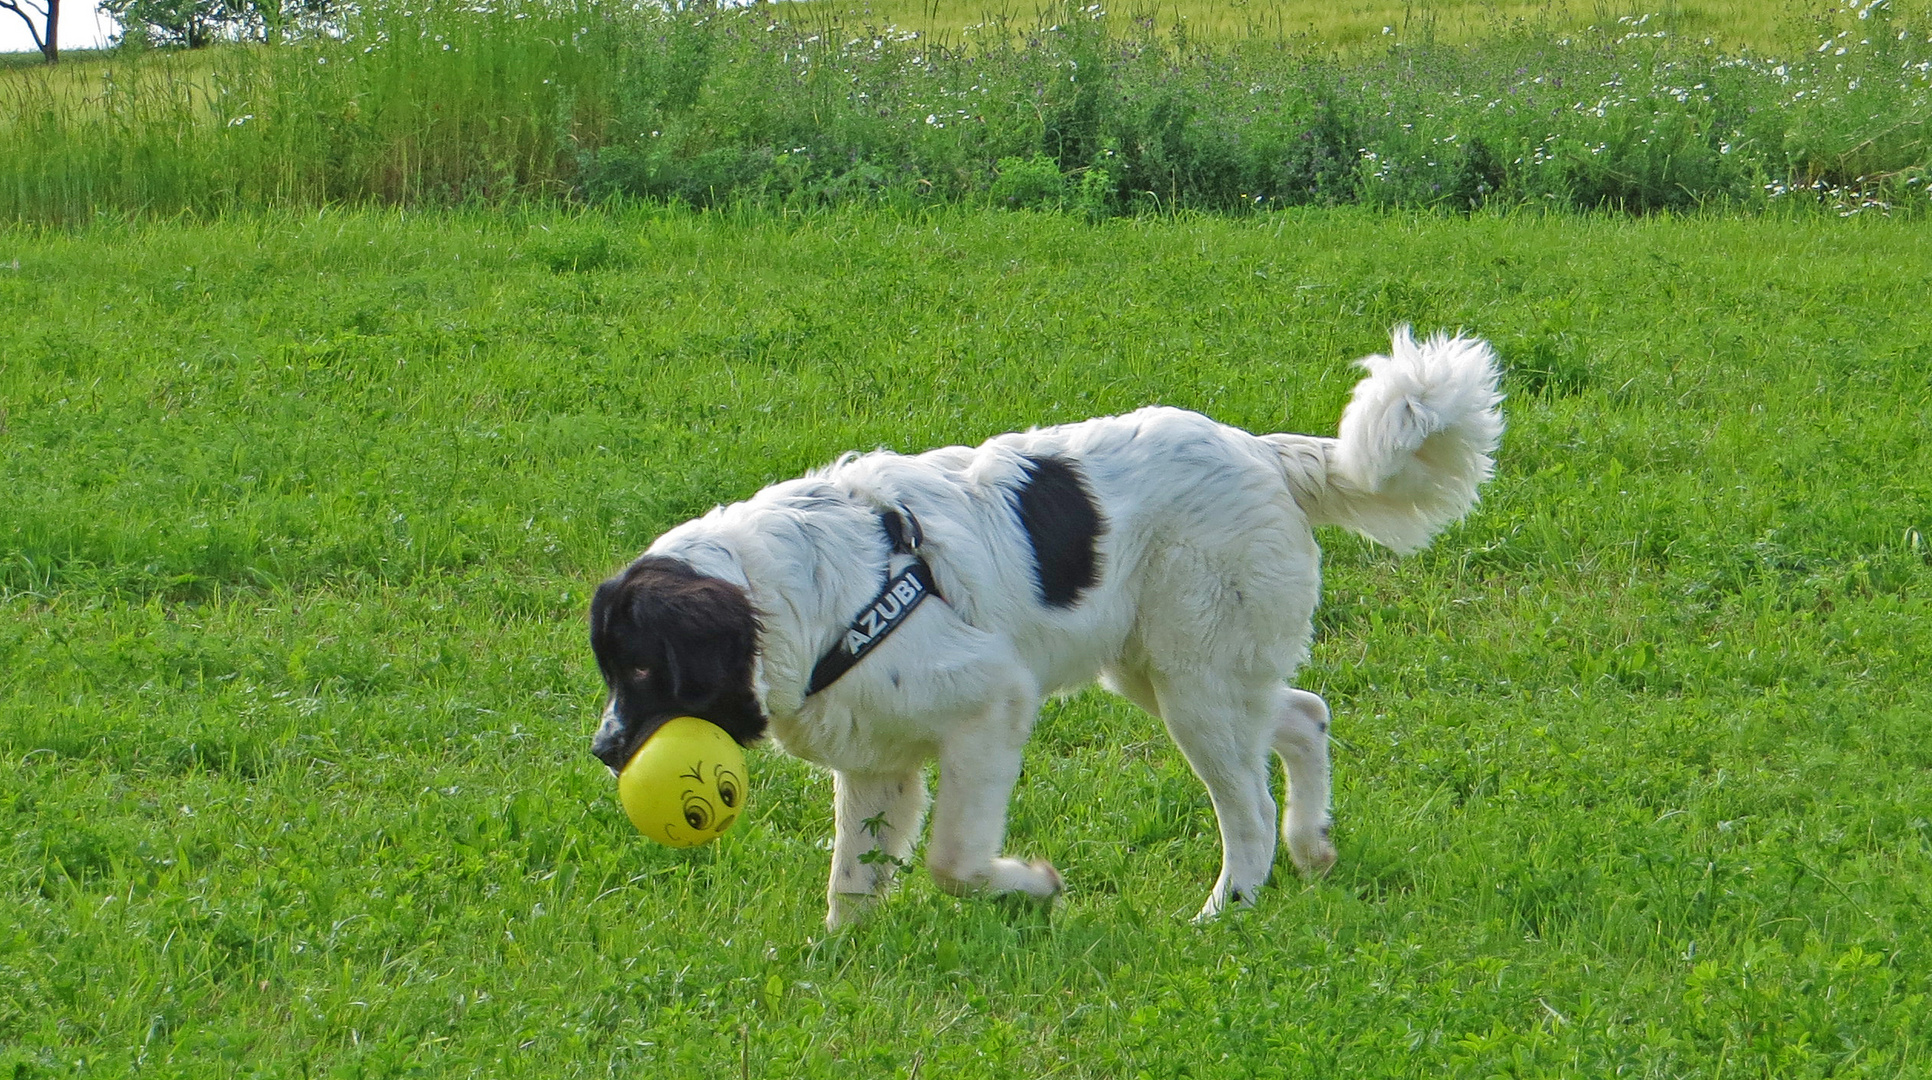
1414,445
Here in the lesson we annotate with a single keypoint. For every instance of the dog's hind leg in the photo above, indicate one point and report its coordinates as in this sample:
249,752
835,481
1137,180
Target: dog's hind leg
876,822
1225,732
978,766
1301,738
1134,686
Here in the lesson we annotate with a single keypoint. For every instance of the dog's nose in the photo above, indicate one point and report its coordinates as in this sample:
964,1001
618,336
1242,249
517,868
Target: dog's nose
609,747
618,739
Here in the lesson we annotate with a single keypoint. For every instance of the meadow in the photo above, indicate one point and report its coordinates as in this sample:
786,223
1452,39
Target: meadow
335,375
1138,111
302,511
1369,25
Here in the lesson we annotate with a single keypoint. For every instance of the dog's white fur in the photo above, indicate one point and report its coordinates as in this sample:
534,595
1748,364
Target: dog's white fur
1208,580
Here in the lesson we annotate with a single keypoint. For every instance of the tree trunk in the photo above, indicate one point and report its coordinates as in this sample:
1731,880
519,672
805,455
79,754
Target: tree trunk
49,42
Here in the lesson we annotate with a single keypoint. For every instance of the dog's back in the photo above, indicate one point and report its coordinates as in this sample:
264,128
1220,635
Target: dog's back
1162,532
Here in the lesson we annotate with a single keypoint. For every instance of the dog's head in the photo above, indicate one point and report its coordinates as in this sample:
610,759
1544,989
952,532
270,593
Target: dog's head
672,642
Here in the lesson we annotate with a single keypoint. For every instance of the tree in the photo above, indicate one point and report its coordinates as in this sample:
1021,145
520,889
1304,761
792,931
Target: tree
192,23
195,23
47,33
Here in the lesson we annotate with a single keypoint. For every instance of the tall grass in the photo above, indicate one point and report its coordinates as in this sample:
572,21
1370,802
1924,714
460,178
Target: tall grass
445,103
408,106
1358,26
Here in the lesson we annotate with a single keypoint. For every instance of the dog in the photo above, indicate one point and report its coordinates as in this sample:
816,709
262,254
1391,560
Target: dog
889,610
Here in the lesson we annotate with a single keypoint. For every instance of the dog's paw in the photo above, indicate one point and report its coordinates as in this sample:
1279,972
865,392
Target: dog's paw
1312,854
846,909
1220,900
1055,885
1036,879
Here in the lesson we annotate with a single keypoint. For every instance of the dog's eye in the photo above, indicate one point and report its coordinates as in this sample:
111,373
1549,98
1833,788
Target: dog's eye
697,812
641,674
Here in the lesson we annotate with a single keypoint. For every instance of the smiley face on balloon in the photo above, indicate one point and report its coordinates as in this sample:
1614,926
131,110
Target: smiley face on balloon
686,785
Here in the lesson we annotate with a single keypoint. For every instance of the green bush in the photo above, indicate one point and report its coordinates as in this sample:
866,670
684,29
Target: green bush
446,103
1031,183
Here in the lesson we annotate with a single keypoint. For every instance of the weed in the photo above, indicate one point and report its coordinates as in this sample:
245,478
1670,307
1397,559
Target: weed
795,107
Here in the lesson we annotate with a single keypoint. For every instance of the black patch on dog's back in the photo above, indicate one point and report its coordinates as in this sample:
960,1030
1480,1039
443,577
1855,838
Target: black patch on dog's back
1063,525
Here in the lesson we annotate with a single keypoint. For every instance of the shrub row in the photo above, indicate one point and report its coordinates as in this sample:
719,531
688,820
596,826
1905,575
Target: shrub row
583,100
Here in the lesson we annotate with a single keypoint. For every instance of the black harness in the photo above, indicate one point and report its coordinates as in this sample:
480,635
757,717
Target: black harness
888,610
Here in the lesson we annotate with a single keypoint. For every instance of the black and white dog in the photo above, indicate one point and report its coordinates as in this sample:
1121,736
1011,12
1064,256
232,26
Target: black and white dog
889,610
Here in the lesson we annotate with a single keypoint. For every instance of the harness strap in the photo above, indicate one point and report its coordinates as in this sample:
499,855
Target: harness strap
888,610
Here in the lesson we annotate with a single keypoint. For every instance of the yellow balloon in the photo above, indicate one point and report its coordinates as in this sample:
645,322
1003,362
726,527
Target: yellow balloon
686,785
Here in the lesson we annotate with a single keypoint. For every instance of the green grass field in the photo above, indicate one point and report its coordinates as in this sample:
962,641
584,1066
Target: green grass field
438,103
1762,25
299,517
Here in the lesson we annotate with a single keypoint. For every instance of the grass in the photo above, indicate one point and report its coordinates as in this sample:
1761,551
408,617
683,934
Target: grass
304,511
93,86
1369,24
800,107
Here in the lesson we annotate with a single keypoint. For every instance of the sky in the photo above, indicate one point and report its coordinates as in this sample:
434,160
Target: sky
82,26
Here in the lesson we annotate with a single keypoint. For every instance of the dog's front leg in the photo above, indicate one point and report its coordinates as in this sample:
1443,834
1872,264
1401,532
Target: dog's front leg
978,766
877,819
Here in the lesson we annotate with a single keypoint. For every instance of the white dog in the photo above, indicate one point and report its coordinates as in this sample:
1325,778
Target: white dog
889,610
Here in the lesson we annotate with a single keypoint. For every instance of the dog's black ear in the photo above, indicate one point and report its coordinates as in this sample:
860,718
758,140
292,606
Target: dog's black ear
602,603
613,643
692,677
710,654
